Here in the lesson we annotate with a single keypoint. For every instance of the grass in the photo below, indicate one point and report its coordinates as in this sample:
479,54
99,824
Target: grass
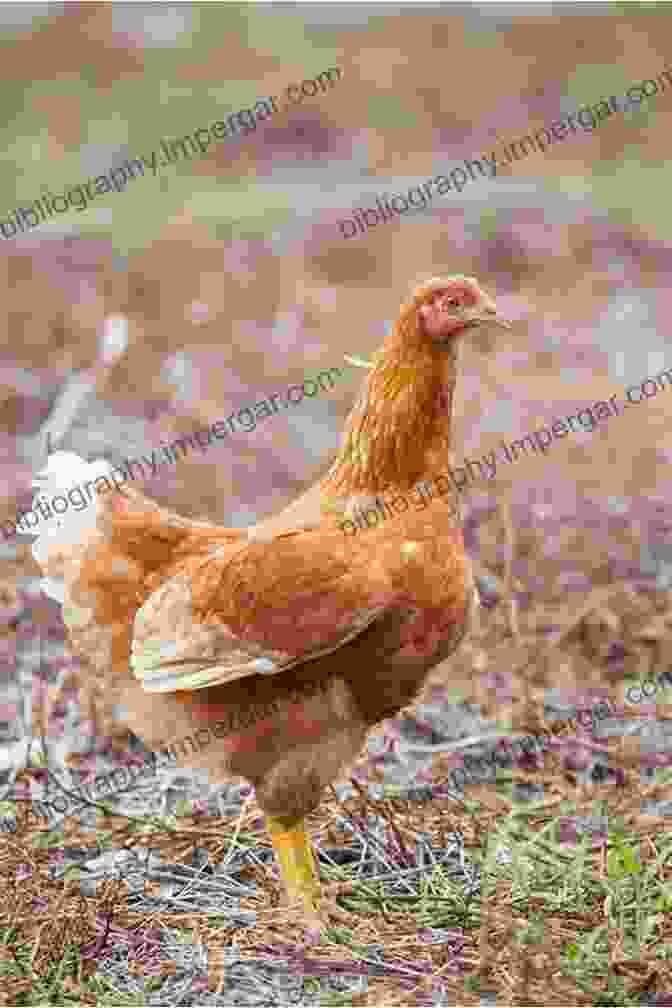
560,900
470,897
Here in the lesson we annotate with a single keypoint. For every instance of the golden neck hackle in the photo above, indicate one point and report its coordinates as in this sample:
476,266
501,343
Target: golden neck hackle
399,431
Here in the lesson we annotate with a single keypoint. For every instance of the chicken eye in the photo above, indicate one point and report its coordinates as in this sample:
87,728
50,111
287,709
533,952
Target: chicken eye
444,302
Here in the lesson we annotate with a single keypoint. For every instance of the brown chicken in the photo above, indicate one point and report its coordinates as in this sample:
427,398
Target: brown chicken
273,658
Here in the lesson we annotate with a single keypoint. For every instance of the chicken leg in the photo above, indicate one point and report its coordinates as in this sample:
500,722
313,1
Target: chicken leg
295,859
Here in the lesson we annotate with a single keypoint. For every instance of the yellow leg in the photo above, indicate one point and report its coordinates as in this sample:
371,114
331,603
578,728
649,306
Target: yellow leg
295,859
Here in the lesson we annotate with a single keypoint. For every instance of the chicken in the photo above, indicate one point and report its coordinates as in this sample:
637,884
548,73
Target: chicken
277,652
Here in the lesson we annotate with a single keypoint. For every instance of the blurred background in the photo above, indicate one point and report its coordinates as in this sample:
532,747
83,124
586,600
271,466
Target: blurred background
229,278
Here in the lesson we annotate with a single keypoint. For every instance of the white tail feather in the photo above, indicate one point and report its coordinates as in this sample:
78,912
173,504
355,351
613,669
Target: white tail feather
63,479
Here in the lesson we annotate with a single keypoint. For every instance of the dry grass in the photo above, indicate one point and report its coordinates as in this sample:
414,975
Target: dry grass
559,924
557,920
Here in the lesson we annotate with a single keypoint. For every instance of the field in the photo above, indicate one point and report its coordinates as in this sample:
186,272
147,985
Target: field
543,878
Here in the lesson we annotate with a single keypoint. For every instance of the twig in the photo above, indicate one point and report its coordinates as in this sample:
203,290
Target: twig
101,941
462,744
79,388
230,852
95,804
509,538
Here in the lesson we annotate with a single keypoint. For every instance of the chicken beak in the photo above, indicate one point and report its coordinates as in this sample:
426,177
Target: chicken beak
490,315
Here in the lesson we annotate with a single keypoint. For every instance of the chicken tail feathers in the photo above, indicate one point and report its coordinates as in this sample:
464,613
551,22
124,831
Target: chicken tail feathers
89,518
67,502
